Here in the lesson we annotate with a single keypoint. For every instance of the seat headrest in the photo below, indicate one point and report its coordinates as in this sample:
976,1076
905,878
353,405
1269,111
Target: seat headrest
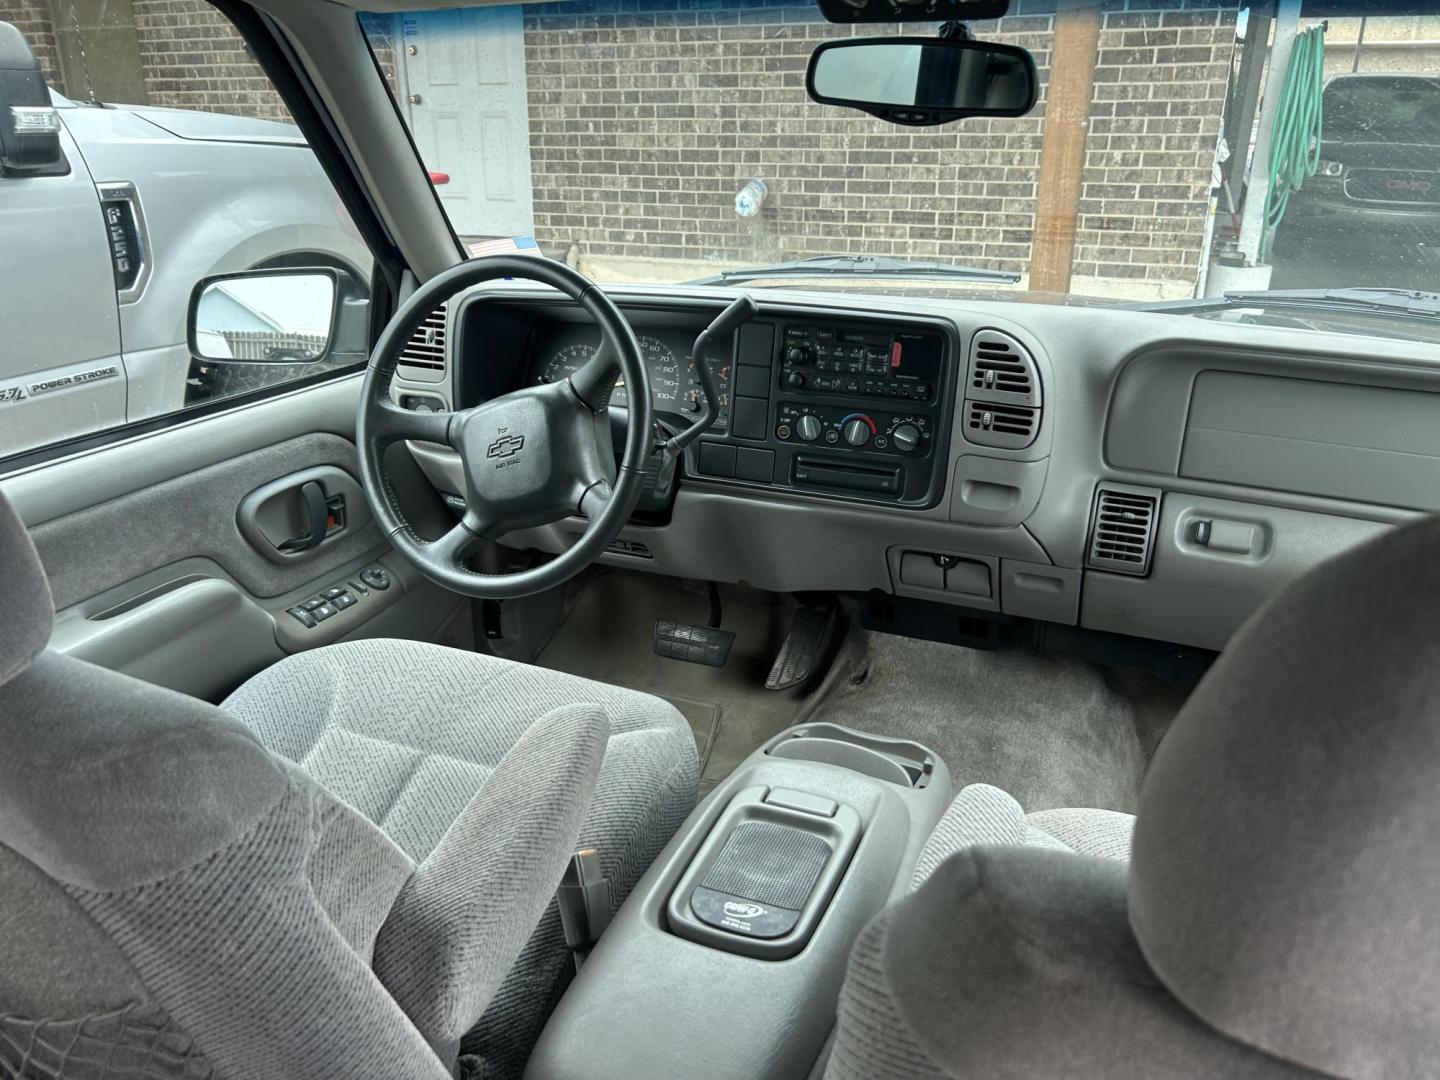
1286,858
26,610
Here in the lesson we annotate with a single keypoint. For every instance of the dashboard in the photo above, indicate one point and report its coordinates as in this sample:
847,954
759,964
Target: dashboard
1127,472
561,349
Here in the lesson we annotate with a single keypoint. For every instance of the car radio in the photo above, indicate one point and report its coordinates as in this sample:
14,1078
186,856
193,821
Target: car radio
853,408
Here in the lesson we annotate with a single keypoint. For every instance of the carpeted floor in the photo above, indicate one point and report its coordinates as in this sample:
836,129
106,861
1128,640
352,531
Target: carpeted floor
1052,732
607,635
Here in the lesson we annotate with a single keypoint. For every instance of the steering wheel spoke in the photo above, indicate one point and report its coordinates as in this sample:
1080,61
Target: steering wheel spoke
390,423
452,549
595,381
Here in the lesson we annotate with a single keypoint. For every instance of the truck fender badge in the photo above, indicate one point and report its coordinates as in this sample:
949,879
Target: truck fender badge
11,393
93,375
743,911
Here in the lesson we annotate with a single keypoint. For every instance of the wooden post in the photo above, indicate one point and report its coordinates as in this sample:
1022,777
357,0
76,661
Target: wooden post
1062,153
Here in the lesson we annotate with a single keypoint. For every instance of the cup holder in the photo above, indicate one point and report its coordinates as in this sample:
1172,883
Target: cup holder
896,761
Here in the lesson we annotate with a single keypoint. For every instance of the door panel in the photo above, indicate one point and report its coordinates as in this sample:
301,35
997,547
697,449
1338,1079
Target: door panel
153,575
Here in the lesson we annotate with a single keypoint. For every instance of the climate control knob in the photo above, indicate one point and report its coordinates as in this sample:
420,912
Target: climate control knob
905,437
808,428
857,432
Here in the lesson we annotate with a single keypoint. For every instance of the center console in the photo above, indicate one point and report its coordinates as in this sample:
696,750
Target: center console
726,960
851,408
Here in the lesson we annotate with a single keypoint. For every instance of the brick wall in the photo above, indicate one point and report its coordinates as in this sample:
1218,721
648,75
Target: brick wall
645,124
1160,81
194,59
32,18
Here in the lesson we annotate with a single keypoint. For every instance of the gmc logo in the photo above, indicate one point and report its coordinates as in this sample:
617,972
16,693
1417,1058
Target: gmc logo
505,446
1408,185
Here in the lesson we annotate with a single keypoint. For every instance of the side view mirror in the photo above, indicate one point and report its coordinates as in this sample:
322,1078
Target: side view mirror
921,81
29,124
282,316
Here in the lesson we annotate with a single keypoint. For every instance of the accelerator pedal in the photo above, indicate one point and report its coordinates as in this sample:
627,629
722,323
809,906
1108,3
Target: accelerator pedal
799,656
693,644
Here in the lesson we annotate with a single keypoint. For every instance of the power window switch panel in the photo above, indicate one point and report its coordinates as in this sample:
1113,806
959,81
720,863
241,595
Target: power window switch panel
344,600
323,612
303,617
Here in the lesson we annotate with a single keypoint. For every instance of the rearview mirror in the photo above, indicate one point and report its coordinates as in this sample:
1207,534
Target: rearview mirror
264,316
29,124
921,81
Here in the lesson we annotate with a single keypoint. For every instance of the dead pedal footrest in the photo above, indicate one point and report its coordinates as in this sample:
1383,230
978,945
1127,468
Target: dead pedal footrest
800,651
707,645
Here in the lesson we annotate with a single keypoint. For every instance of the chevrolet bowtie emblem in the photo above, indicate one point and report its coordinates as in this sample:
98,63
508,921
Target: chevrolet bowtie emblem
505,446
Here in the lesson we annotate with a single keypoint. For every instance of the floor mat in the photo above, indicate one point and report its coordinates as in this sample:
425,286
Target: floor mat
607,635
1053,732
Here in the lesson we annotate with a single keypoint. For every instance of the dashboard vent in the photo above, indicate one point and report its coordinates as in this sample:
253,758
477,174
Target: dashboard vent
423,358
1002,370
1122,530
1009,427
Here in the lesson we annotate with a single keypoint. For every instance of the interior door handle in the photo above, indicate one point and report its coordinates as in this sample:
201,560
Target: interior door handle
287,519
312,495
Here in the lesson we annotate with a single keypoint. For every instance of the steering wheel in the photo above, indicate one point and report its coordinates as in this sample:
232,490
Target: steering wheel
531,457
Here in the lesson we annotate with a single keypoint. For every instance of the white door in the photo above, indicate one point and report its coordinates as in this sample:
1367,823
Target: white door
465,88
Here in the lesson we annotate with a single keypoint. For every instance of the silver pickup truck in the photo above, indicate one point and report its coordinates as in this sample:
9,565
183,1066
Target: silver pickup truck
177,196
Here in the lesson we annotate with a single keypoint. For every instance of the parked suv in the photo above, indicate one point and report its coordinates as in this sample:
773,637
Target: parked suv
1379,169
119,209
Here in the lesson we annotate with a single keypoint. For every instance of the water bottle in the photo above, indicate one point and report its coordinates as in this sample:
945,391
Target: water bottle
749,198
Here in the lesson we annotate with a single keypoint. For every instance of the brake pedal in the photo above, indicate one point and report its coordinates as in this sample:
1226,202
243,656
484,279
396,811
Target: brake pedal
799,655
694,644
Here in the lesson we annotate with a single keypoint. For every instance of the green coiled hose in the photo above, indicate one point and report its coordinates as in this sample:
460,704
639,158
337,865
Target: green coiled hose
1295,138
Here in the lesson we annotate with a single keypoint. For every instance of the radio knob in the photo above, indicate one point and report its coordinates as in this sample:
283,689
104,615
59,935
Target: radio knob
797,354
857,433
808,428
905,437
796,380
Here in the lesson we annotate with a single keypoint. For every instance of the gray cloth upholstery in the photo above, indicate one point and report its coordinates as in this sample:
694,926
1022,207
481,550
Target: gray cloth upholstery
461,920
1018,964
407,732
177,900
982,814
1285,871
168,829
26,610
193,515
1277,918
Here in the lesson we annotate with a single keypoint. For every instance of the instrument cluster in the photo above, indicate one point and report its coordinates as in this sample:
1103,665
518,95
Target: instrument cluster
674,383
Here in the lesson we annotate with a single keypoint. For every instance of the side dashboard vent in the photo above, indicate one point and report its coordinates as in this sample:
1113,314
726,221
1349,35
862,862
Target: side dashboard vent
1122,529
1001,369
1008,427
423,358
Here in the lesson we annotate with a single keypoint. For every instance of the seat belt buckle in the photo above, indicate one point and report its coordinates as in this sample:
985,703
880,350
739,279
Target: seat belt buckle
584,898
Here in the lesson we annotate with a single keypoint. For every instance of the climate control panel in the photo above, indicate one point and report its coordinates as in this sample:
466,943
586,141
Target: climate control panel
855,408
849,429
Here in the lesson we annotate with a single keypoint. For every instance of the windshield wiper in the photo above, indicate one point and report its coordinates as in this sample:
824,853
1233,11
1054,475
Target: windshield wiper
860,266
1403,302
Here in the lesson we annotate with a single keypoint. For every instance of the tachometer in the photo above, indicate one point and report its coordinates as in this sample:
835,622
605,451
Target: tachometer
661,363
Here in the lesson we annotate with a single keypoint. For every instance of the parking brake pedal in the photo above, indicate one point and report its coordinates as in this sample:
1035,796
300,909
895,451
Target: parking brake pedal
799,655
707,645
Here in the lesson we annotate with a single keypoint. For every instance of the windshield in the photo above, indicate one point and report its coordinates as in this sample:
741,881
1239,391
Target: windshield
665,141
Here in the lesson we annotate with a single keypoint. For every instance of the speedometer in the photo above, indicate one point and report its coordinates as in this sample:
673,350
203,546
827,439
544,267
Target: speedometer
661,364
